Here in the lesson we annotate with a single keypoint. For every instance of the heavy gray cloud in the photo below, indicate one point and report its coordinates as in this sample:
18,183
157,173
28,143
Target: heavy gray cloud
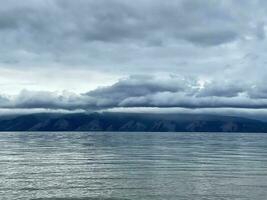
215,51
123,36
47,22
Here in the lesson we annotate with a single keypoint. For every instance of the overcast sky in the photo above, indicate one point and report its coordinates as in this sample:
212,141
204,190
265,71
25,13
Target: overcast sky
122,54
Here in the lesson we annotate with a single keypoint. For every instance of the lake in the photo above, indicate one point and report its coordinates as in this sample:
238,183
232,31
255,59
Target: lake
133,166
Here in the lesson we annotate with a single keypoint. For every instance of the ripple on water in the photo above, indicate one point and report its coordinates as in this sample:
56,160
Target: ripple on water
123,166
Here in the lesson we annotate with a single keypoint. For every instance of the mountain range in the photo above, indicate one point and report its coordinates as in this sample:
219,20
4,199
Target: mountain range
129,122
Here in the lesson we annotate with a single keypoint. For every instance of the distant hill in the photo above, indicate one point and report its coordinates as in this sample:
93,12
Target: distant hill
130,122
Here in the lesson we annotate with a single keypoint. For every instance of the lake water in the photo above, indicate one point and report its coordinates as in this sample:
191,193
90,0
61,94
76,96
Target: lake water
137,166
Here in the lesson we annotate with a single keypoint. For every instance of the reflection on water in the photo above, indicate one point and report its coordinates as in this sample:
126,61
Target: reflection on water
138,166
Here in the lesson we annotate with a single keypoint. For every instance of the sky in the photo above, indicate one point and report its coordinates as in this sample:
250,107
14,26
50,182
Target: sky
200,56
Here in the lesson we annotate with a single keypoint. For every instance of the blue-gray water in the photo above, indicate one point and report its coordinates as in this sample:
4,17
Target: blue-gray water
173,166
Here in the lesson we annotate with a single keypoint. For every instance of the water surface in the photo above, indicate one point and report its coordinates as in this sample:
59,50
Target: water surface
136,166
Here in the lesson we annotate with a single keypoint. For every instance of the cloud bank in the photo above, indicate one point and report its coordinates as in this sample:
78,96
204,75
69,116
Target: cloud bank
146,91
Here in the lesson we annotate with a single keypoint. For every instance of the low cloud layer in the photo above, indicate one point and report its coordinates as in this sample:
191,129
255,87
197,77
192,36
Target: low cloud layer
146,91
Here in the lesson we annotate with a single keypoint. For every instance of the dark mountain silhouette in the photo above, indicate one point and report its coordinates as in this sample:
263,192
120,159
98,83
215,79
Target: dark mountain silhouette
130,122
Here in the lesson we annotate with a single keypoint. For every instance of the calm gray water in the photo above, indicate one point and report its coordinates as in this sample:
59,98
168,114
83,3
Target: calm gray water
173,166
